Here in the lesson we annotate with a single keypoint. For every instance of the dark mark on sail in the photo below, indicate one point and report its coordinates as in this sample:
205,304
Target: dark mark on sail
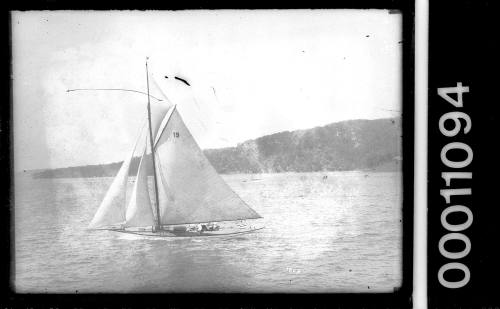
182,80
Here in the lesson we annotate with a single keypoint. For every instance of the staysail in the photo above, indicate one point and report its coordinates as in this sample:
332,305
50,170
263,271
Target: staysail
191,191
112,208
139,210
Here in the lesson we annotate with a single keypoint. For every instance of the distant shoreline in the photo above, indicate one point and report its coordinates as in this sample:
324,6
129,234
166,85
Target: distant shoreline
342,146
320,173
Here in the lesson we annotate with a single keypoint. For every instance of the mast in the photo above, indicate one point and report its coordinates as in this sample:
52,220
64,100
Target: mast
157,226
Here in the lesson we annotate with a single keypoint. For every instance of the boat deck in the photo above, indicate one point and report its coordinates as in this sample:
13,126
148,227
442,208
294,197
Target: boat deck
165,233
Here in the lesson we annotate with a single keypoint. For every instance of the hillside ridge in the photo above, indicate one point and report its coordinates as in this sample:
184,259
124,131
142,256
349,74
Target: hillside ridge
359,144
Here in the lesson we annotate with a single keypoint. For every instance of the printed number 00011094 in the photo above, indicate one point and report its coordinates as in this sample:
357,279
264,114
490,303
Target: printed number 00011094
455,230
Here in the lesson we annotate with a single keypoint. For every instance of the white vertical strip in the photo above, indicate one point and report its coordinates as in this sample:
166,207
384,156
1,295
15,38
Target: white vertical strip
420,167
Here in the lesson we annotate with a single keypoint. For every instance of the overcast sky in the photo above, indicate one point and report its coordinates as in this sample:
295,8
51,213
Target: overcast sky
252,73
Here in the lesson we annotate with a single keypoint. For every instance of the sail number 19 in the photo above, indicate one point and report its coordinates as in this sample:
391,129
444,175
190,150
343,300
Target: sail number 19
451,124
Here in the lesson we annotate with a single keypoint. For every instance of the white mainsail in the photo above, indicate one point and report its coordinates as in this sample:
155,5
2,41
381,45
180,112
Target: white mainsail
112,208
139,210
191,191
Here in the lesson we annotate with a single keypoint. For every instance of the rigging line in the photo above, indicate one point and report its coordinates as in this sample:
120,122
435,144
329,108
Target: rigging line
163,125
215,95
202,123
141,135
113,89
138,137
199,109
159,88
196,102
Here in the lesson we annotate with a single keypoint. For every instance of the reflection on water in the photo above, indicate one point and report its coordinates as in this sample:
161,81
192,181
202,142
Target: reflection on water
340,233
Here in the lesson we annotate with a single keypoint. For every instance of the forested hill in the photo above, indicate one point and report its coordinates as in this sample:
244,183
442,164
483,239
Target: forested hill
347,145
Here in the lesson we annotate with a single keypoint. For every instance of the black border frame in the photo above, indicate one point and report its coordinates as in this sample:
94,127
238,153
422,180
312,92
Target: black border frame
400,298
463,47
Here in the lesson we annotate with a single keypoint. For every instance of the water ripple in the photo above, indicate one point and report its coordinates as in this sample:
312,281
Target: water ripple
321,236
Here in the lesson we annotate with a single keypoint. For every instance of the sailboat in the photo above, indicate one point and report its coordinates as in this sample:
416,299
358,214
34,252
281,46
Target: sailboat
190,197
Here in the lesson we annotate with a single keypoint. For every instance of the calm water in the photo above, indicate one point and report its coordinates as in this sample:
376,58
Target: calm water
340,234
